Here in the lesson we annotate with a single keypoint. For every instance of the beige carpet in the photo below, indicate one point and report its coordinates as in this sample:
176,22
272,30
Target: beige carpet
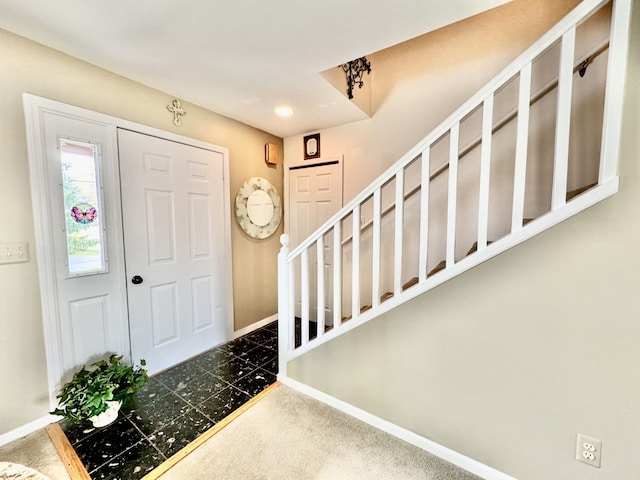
16,471
35,451
288,435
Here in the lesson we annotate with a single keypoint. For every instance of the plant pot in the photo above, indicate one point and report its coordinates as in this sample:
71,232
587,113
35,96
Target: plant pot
108,416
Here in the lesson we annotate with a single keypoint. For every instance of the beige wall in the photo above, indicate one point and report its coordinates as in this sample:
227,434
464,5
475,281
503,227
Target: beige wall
418,84
507,363
29,67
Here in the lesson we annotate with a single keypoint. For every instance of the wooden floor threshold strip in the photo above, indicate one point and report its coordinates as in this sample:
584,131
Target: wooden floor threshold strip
182,454
67,454
77,471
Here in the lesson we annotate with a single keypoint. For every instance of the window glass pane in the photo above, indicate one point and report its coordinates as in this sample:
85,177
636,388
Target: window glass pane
82,207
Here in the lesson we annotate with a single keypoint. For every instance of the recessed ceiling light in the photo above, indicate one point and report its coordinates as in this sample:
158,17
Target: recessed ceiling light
284,111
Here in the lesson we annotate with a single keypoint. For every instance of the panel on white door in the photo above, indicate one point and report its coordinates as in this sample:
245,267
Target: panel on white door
160,226
89,319
324,182
301,182
164,314
324,210
200,226
199,171
302,224
173,200
159,164
202,299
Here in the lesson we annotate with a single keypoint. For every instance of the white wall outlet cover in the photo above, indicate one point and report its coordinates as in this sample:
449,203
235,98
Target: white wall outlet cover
589,450
16,252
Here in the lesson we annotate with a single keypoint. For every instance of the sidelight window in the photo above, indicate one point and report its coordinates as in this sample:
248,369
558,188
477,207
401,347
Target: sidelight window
84,219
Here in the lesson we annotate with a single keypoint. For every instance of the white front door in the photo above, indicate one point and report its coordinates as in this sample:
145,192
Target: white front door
80,205
173,208
315,194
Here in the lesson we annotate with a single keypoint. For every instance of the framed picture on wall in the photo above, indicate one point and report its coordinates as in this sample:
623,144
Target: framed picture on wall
312,146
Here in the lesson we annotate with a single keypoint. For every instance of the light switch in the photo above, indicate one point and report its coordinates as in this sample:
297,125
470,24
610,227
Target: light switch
16,252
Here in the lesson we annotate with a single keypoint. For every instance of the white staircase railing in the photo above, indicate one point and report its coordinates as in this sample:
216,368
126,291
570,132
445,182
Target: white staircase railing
419,223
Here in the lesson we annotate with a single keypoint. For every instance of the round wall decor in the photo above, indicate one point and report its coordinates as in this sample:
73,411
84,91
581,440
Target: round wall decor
258,208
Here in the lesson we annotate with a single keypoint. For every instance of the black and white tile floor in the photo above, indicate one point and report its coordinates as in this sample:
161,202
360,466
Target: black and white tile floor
177,406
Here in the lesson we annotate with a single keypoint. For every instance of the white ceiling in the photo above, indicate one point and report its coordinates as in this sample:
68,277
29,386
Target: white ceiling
240,58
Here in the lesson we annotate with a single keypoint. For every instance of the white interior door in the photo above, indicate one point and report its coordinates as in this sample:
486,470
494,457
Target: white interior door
315,194
173,209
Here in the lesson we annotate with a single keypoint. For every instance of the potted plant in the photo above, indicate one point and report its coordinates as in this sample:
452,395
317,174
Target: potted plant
96,392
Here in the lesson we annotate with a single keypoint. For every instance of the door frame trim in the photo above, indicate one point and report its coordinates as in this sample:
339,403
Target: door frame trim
34,107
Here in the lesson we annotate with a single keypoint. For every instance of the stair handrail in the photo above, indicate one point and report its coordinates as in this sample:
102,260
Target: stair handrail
294,330
573,18
584,61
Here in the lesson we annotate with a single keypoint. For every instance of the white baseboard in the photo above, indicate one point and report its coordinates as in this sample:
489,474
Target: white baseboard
451,456
255,326
26,429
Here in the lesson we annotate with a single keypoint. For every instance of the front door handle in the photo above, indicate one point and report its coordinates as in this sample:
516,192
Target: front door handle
136,280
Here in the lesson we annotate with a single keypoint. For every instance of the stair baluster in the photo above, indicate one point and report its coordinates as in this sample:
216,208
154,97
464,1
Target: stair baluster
295,293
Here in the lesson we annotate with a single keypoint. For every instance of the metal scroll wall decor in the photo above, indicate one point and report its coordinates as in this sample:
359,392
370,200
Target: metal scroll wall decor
354,71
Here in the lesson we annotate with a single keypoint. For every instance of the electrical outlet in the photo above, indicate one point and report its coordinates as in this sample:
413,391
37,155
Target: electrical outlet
589,450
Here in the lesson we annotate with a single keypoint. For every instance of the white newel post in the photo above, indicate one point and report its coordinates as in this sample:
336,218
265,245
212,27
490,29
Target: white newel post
284,316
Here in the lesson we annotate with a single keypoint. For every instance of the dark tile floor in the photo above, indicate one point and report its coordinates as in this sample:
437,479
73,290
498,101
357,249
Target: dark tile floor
178,405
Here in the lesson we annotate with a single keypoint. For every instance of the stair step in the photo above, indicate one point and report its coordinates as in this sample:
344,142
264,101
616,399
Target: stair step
437,268
407,285
474,247
386,296
443,263
578,191
410,283
570,195
362,309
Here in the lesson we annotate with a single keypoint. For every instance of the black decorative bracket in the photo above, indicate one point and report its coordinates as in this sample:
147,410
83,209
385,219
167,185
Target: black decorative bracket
354,71
582,68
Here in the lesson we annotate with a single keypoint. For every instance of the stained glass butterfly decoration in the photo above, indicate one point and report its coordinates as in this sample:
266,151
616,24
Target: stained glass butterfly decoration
83,213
